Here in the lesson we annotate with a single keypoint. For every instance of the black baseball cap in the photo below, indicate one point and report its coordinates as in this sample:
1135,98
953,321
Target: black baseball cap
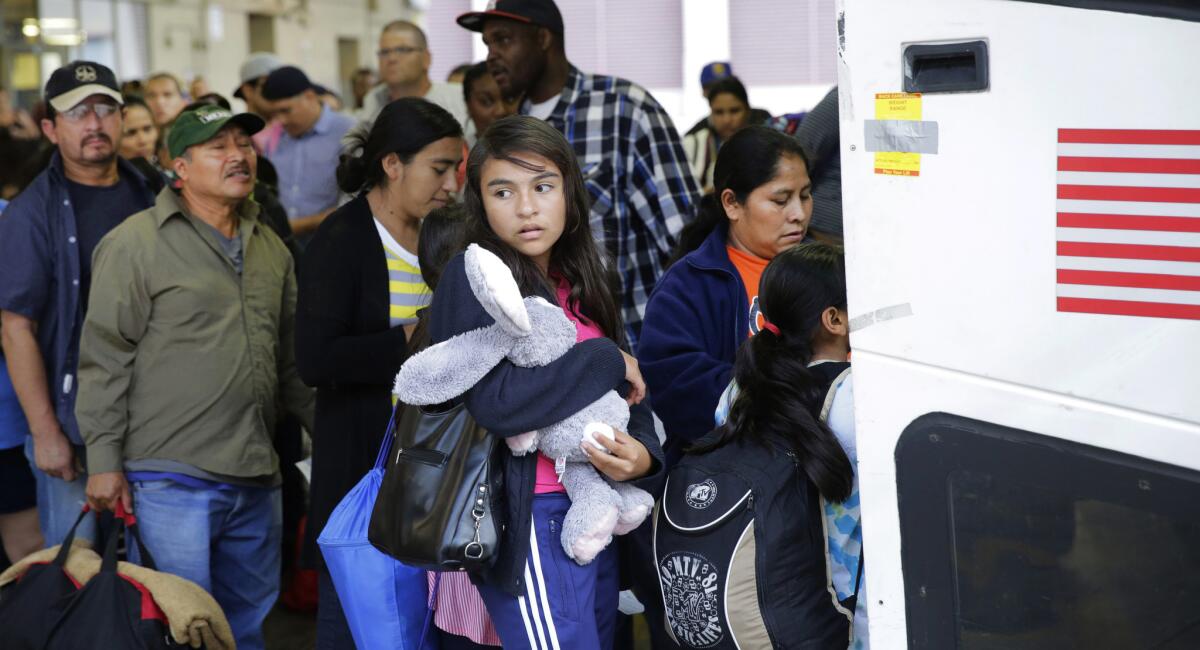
543,13
78,80
286,82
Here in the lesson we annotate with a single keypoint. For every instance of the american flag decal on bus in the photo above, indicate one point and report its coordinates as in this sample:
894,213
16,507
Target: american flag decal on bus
1128,236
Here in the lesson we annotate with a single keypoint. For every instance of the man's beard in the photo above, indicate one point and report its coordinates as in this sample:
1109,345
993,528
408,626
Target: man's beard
94,157
97,158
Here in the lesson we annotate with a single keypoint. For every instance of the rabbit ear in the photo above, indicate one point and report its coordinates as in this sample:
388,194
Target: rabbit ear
497,290
444,371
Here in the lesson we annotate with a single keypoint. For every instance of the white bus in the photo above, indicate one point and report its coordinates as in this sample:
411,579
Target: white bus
1021,186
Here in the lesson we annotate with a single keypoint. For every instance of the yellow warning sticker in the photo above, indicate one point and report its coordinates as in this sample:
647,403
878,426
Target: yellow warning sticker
897,163
897,106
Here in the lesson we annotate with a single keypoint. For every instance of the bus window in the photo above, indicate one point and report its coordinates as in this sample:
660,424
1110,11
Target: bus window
1017,540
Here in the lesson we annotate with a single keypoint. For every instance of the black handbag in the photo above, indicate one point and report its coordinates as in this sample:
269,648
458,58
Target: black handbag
437,506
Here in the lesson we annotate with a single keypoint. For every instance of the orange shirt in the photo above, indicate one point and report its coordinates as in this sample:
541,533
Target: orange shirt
750,268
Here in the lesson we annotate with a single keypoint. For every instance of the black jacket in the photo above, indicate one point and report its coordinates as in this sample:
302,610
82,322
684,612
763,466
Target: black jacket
347,350
511,400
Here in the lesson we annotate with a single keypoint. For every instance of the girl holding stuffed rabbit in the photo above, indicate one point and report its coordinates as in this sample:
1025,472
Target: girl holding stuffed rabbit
527,204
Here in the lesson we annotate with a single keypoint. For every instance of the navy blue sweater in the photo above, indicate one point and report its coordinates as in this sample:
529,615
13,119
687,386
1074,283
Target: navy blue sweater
511,400
695,321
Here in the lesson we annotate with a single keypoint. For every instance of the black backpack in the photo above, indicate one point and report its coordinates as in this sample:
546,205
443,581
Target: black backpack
739,540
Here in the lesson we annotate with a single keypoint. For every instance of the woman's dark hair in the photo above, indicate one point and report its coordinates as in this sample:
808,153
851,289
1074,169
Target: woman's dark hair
748,160
728,85
779,398
129,101
404,127
472,75
459,69
443,235
216,99
574,255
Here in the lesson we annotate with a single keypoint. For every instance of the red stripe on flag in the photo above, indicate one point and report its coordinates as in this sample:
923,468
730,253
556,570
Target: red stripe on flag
1136,280
1116,193
1127,222
1129,251
1128,308
1129,165
1128,136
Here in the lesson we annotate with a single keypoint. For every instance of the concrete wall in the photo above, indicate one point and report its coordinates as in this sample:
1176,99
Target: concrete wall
212,39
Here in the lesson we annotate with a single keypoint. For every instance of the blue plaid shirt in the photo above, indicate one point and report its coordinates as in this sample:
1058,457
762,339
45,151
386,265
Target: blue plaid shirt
637,174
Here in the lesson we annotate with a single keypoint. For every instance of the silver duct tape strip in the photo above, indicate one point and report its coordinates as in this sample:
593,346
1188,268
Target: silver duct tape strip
908,136
880,315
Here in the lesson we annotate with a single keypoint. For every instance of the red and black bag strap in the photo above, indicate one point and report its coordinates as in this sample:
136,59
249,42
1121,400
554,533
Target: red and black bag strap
127,521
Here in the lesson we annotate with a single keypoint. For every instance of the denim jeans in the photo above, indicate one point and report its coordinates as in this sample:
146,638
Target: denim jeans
226,540
59,502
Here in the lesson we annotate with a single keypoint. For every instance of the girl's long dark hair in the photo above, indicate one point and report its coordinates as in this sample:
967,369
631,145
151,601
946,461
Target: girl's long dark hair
779,398
748,160
404,127
443,233
575,255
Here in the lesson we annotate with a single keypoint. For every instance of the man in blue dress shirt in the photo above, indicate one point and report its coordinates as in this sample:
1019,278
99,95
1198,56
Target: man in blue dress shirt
307,155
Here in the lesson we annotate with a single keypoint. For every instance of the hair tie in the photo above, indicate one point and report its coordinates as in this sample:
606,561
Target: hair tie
770,327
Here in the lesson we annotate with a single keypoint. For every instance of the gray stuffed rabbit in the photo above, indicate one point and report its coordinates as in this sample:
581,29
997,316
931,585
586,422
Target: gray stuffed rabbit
531,332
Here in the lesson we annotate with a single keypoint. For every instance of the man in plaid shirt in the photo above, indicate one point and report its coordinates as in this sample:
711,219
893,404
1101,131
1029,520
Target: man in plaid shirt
633,162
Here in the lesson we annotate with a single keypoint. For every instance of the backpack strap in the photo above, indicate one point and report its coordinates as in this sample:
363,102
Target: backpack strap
845,607
827,405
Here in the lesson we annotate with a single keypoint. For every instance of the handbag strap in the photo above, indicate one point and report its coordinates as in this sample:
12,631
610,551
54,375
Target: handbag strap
65,549
390,435
129,521
429,607
108,563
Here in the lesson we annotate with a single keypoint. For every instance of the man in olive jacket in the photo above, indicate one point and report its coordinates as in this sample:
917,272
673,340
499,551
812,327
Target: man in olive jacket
185,353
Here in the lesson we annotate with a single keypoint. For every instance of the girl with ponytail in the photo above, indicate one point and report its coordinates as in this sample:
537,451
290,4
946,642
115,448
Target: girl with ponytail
360,287
792,390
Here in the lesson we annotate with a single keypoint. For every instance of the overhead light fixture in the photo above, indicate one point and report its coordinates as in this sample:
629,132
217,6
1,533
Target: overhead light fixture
65,40
56,24
30,29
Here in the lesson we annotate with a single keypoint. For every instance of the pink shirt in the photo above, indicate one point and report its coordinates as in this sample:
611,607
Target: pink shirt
267,139
547,481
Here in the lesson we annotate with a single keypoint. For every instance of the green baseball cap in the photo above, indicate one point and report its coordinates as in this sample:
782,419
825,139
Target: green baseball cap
200,124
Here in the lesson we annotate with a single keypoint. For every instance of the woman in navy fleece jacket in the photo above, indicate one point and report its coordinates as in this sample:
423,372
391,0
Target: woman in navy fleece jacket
701,311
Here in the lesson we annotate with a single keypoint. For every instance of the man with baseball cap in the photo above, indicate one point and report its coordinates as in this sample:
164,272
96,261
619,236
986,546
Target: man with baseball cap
306,156
47,235
253,73
643,191
184,358
709,75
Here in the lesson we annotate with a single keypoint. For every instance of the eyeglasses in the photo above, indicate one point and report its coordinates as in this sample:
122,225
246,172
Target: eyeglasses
403,49
80,112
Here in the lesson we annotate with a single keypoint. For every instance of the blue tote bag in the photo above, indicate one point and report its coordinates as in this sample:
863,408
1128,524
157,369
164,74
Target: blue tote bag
385,601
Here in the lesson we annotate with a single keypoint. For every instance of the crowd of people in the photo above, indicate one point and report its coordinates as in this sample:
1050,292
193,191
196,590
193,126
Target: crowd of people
193,299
